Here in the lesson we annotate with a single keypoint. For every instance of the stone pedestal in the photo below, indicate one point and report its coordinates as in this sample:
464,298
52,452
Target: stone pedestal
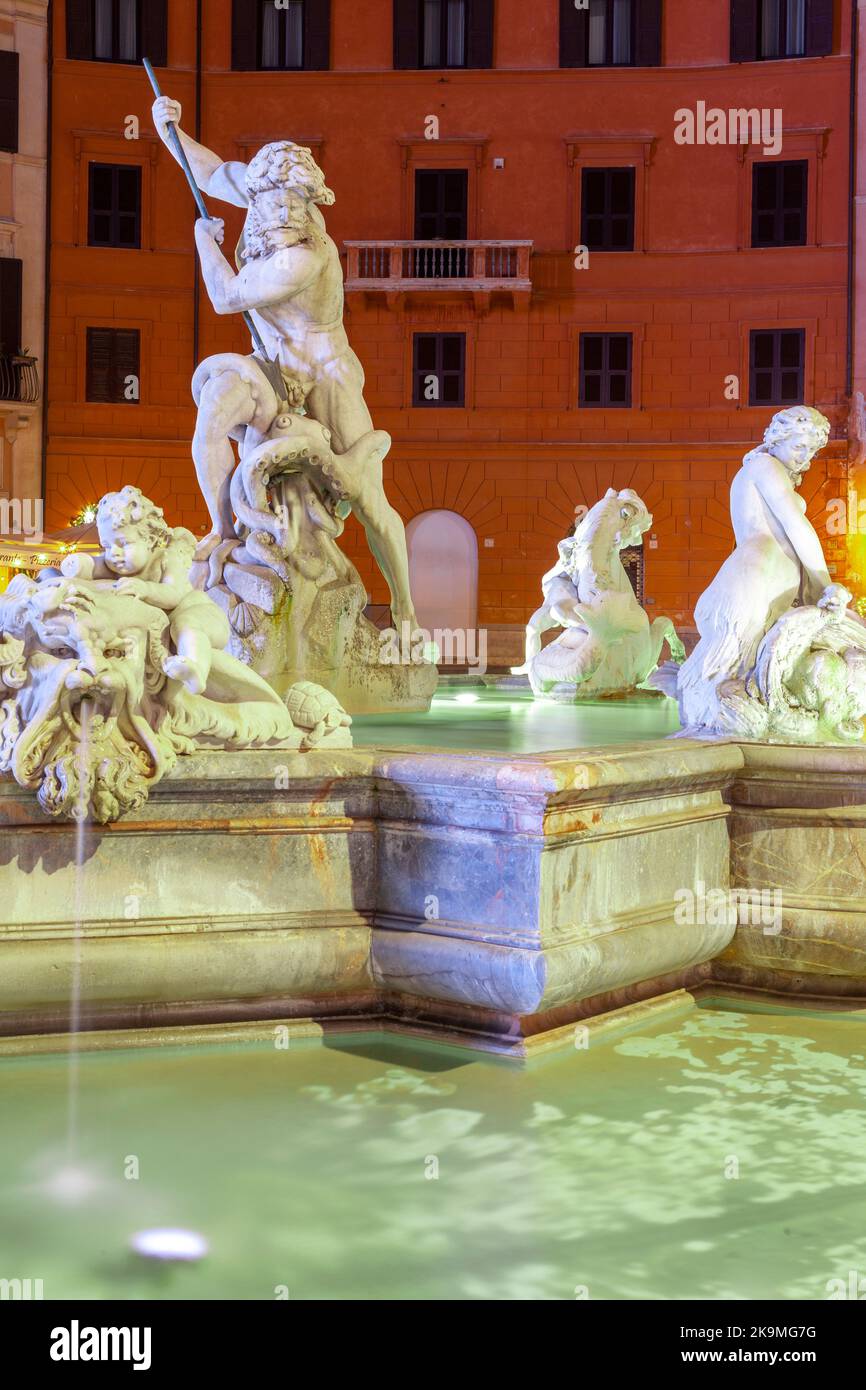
318,632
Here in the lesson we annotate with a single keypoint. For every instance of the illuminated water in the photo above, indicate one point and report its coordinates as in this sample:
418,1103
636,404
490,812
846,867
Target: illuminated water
612,1169
511,721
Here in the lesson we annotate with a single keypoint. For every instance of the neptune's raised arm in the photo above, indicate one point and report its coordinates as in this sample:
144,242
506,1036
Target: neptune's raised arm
222,180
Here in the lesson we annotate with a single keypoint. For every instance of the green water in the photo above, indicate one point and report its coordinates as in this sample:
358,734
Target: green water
611,1169
487,719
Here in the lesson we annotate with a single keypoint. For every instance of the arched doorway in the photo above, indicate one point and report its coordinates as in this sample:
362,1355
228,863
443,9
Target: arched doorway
443,570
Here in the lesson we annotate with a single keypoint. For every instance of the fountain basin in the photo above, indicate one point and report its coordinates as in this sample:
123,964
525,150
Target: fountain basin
490,898
364,1166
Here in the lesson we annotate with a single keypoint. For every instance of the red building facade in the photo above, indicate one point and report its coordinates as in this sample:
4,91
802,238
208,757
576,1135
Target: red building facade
544,221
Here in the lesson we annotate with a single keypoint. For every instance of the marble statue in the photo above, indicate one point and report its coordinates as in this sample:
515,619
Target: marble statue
307,450
113,667
810,674
608,645
780,656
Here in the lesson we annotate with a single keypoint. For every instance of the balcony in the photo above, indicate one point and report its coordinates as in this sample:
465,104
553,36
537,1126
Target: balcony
18,378
401,267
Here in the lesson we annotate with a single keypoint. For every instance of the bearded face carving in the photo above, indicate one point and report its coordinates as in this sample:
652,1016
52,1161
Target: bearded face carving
81,683
89,718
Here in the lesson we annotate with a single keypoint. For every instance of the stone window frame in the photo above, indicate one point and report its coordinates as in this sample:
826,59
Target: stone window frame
802,143
102,147
594,151
467,152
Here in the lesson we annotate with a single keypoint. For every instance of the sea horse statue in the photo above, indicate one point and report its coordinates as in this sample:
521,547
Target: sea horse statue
608,645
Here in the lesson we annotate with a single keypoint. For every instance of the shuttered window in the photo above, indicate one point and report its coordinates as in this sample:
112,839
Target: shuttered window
779,203
114,205
439,369
117,31
113,361
443,33
773,29
776,362
441,197
8,100
607,209
605,370
610,33
292,36
10,306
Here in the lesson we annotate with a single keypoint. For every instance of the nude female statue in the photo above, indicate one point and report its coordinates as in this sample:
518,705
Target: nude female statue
778,561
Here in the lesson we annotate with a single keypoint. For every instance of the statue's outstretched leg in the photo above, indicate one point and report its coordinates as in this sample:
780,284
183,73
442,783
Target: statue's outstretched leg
338,403
232,393
386,537
226,403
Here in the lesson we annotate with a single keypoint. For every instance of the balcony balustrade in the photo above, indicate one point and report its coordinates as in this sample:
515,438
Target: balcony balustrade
19,380
400,266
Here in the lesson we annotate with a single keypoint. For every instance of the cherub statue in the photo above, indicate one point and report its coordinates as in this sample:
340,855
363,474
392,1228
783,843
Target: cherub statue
145,558
114,668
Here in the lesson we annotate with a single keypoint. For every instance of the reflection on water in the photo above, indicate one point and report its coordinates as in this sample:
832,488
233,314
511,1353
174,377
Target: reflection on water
720,1157
511,721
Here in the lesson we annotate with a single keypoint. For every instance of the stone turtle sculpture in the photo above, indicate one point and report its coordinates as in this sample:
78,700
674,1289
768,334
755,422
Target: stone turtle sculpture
316,710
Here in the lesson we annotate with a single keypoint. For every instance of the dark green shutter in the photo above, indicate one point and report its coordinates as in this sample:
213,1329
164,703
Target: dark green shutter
744,31
245,35
479,48
819,28
113,354
79,29
573,31
406,33
127,362
8,100
648,33
154,31
10,305
317,34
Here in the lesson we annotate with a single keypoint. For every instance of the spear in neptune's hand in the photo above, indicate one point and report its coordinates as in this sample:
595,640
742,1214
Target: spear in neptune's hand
271,367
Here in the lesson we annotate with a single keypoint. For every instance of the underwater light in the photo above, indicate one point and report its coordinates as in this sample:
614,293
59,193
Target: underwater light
70,1185
466,697
168,1243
